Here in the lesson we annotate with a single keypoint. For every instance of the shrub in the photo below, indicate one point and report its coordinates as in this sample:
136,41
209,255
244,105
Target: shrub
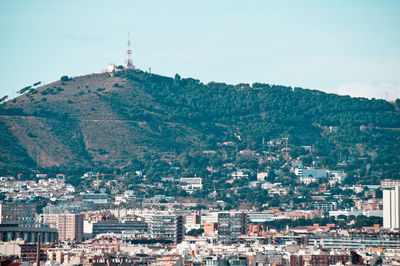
65,78
31,135
117,85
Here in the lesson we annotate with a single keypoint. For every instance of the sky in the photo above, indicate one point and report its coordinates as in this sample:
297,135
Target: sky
338,46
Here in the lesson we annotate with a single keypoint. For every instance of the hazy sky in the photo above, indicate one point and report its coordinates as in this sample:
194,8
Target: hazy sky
348,47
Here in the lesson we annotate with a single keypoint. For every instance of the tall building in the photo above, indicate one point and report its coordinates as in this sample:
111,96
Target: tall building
231,225
70,227
391,208
168,227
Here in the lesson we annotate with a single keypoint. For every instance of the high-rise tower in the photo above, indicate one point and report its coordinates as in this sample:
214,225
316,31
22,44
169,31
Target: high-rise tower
128,60
391,208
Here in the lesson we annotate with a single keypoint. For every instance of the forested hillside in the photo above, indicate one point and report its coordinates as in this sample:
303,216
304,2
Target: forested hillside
136,120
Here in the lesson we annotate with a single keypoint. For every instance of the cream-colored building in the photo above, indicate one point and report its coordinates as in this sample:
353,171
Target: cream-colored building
391,208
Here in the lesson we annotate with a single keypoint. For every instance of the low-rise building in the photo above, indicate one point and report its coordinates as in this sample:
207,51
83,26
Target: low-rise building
191,184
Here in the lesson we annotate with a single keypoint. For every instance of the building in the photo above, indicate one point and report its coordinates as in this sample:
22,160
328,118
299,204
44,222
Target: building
391,208
12,232
260,217
96,198
70,227
311,172
370,204
191,184
48,219
319,259
210,228
308,179
192,221
389,183
261,176
117,227
167,226
25,252
355,242
17,213
170,260
325,206
239,174
231,225
53,209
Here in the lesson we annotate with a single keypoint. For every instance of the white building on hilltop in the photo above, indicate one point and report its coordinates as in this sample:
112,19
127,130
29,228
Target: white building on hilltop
391,208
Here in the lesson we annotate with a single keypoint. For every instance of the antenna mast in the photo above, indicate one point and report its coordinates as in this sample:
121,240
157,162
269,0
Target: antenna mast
128,60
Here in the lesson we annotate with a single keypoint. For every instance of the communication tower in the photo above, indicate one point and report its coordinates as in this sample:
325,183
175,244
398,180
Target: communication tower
128,60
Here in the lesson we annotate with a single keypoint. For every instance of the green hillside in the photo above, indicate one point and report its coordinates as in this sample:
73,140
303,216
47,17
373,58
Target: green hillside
135,120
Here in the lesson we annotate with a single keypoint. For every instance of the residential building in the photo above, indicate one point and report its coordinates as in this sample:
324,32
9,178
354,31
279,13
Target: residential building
261,176
239,174
389,183
191,184
231,225
167,226
192,221
325,206
70,227
370,204
319,259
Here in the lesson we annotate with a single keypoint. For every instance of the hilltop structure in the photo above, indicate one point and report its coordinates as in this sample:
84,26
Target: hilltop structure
128,61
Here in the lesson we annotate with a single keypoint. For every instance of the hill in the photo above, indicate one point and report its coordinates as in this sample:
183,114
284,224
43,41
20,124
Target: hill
133,120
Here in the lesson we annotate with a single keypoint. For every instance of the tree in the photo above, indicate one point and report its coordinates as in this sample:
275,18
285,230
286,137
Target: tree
65,78
195,232
23,90
2,99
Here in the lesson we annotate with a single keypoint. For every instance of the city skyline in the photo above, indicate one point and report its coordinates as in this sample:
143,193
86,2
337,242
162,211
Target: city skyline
340,47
